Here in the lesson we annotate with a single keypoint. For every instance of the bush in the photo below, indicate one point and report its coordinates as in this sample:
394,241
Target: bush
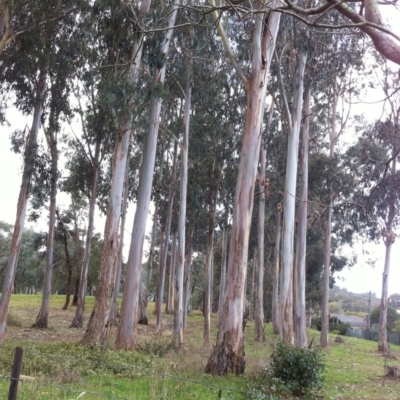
300,370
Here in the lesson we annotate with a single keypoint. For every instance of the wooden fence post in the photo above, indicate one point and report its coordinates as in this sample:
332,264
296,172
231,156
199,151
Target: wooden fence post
15,372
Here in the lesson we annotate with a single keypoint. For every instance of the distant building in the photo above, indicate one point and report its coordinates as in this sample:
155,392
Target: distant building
353,320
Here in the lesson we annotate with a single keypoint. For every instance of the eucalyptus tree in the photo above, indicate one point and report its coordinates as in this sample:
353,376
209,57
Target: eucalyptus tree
228,354
126,52
25,71
13,21
376,155
126,335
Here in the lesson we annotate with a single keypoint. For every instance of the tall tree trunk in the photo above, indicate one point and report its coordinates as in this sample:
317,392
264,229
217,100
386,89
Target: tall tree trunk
166,239
286,293
182,269
42,317
300,301
328,233
259,314
29,158
126,335
228,354
389,239
77,322
118,272
171,283
276,315
98,328
223,271
143,305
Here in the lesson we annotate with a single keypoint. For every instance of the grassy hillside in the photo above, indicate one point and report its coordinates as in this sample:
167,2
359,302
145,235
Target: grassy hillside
56,367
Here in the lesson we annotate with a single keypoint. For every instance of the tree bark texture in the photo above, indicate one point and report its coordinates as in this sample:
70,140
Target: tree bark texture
99,324
228,354
126,335
259,306
98,328
29,157
300,301
298,62
118,272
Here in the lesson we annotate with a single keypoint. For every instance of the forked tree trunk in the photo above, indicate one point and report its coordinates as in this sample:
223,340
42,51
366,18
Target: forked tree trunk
223,272
286,292
166,239
300,301
182,269
259,306
118,272
42,318
228,354
126,335
29,157
77,322
171,283
98,328
276,314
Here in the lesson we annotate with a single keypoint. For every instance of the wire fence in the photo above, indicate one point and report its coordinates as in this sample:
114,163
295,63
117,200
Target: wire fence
46,386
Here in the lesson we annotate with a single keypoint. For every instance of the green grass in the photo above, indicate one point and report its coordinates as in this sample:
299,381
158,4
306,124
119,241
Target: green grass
55,366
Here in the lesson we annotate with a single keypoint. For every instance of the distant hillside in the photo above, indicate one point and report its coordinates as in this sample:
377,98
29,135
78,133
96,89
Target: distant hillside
341,300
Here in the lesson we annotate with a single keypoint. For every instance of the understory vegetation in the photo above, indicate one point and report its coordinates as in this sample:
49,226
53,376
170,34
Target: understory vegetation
56,366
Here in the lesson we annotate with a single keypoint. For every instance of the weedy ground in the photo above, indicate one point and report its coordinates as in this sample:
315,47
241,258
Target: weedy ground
56,366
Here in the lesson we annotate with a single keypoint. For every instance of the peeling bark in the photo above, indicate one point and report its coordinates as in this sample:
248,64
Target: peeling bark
228,354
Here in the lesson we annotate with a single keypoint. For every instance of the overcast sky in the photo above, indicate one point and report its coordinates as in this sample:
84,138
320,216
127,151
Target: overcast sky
360,279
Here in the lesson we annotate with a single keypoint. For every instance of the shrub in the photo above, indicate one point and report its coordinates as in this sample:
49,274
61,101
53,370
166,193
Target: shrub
300,370
335,324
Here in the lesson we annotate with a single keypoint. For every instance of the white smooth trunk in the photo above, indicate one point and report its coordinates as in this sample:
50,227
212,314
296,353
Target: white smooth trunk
118,272
300,304
126,335
286,292
182,274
